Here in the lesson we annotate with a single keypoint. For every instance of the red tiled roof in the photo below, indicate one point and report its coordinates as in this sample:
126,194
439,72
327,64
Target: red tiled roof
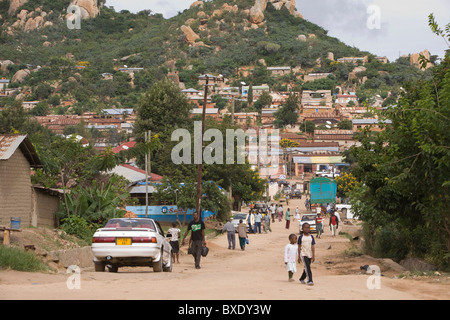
154,176
124,146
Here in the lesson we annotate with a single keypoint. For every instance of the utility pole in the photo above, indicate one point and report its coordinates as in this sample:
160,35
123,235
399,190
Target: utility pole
148,135
207,78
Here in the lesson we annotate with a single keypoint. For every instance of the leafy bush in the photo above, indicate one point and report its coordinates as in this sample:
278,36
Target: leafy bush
79,227
95,205
20,260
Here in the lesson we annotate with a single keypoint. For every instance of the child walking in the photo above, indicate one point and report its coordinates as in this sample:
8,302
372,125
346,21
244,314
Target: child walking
290,256
306,253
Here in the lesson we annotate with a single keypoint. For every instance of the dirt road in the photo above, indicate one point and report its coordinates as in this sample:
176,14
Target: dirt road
258,273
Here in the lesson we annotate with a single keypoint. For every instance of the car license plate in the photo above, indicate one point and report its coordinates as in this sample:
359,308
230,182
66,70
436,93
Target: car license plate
123,241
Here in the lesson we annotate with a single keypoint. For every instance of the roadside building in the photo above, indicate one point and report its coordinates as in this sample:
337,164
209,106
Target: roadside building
17,156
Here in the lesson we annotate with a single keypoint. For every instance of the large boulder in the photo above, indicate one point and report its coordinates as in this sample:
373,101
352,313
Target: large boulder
20,75
4,65
415,59
89,8
256,13
14,5
191,36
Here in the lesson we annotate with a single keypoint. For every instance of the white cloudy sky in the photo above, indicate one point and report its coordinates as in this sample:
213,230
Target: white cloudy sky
403,28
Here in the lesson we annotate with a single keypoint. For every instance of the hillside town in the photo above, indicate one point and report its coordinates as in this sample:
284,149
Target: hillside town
325,127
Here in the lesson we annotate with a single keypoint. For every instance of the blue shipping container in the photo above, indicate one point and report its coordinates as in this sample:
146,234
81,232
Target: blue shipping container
323,190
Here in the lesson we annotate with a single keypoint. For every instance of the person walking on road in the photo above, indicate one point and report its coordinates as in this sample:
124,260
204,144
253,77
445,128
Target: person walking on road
280,213
306,253
319,225
290,256
267,223
334,223
288,218
297,214
258,219
174,242
197,229
251,221
242,233
273,211
231,234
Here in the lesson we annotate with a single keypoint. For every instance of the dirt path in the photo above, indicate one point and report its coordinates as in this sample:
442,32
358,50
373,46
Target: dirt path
256,273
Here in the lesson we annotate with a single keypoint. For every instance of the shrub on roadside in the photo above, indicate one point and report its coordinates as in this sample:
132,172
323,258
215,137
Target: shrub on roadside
20,260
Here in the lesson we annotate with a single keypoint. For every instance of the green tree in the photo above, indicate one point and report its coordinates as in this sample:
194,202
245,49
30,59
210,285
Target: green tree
345,124
162,109
405,171
288,112
250,95
264,100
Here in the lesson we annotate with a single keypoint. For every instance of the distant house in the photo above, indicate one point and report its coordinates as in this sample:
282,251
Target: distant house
279,71
257,90
344,99
383,60
245,118
353,60
210,112
299,138
317,101
191,92
343,137
118,113
29,105
268,116
130,70
359,124
316,76
17,155
4,83
134,174
124,146
57,123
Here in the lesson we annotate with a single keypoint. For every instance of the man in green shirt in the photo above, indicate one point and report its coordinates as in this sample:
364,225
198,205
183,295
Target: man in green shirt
197,229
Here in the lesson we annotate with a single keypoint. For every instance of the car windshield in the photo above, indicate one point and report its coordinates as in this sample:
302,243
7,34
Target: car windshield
308,218
240,216
131,223
259,205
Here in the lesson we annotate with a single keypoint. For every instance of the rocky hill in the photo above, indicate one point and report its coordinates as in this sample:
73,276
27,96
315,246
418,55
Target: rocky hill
238,39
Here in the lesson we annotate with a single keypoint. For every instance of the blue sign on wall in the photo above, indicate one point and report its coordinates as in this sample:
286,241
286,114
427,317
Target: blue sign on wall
166,213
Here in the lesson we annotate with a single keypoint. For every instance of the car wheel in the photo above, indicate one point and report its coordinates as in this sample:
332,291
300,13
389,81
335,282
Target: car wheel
158,265
113,268
99,266
168,267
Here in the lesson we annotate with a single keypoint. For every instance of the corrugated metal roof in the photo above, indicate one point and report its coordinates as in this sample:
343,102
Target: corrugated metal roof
10,143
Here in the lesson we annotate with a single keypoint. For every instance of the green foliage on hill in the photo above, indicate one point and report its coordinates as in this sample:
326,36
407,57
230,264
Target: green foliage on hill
148,40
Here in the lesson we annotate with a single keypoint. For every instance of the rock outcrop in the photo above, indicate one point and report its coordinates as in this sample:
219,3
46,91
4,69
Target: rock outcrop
414,59
20,75
89,8
256,14
35,19
14,5
191,36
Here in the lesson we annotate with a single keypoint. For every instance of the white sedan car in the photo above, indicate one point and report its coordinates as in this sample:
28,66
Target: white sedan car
131,242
